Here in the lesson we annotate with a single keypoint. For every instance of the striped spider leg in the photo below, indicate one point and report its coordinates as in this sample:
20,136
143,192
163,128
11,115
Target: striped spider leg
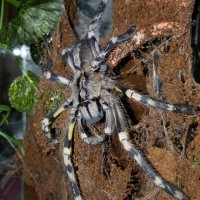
93,98
146,100
49,119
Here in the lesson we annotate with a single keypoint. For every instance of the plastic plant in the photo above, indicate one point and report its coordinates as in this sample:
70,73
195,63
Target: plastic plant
4,114
35,20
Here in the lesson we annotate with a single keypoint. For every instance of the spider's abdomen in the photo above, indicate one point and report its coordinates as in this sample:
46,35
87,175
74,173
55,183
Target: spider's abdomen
91,112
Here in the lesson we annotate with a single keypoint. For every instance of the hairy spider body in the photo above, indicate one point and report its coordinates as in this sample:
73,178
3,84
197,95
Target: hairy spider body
93,98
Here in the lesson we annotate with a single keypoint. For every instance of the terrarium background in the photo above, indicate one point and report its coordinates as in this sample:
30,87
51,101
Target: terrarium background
43,169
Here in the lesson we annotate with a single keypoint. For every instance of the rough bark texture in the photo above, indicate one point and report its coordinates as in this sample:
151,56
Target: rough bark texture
170,141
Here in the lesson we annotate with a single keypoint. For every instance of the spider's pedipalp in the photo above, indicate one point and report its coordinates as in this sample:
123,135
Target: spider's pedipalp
76,55
111,45
68,58
94,46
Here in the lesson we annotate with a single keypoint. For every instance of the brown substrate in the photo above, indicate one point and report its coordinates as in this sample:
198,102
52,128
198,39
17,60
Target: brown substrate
170,141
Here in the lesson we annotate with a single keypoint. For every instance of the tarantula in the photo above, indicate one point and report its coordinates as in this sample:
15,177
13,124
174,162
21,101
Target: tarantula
93,98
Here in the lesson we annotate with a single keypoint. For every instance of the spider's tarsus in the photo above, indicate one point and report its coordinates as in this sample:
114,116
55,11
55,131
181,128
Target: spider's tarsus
186,109
128,35
71,174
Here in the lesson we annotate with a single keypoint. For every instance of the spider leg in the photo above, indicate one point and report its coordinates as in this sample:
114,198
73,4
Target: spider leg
68,58
53,77
108,130
47,121
110,46
137,156
94,46
93,140
96,20
145,100
67,152
92,36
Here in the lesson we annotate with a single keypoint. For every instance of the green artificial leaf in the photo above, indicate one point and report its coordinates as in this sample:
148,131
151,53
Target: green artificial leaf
34,78
23,92
4,47
4,113
35,19
14,142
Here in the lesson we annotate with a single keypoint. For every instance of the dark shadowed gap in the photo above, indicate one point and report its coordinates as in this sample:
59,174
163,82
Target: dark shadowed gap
195,42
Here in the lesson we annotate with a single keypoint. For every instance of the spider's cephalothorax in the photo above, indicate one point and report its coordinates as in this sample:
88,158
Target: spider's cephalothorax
93,97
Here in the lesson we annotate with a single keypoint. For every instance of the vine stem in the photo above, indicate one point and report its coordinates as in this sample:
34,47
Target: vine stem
20,65
23,70
12,141
13,2
2,14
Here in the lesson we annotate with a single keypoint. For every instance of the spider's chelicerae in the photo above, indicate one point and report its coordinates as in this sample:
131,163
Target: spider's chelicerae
93,98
